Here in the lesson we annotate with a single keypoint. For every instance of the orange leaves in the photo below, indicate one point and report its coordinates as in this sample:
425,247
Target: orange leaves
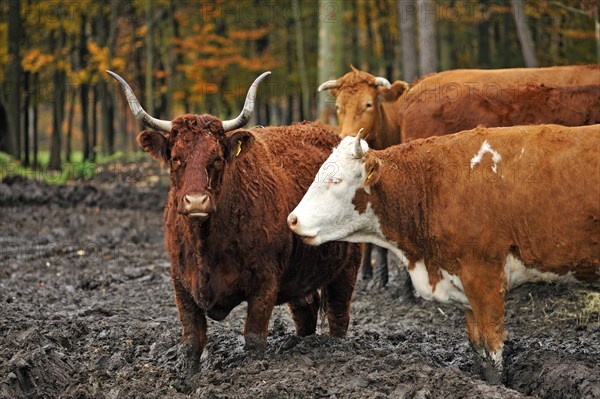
34,60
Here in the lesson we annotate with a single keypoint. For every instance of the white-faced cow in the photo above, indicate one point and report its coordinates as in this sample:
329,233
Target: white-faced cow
455,100
225,223
475,214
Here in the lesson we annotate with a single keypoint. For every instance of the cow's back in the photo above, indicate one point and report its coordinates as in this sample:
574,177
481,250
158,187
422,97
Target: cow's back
571,75
296,152
531,190
451,101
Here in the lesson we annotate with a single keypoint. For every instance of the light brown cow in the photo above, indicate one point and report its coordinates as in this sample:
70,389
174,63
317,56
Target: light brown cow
455,100
475,214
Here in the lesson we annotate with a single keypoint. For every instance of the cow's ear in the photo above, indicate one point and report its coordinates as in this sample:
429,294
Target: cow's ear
155,144
372,168
237,144
394,92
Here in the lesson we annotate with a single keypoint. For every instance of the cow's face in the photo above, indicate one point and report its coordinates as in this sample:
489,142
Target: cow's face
360,97
358,108
197,152
330,210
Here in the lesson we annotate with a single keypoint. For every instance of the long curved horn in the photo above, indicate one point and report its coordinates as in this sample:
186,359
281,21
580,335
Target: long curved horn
138,111
330,84
248,109
358,151
379,81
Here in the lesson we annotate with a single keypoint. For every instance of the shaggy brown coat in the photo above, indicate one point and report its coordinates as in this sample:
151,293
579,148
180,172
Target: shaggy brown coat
540,205
244,251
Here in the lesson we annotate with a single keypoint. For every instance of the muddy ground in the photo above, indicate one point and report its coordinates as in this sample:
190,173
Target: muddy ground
86,310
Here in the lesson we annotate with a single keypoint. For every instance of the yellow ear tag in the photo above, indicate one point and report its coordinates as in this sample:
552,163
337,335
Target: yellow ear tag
239,148
370,174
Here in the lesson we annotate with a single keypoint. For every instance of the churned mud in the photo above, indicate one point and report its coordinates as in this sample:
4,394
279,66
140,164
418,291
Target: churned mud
87,310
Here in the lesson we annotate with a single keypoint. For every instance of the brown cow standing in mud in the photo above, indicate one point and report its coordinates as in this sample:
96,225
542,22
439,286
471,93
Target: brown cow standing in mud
455,100
225,223
474,214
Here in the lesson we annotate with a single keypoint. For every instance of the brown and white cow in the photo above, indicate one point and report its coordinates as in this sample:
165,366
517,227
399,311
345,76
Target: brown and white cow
364,101
225,223
475,214
455,100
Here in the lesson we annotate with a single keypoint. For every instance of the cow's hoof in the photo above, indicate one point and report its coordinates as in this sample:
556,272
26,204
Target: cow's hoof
486,370
255,343
289,343
492,374
189,360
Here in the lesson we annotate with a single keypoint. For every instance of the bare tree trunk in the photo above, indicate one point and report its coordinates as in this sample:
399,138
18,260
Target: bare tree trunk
483,39
330,50
26,120
362,35
107,37
446,46
94,148
13,80
527,45
301,62
149,58
58,106
84,91
427,39
597,25
69,143
34,124
406,22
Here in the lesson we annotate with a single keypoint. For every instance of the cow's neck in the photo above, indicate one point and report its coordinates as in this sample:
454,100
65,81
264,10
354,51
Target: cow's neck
402,220
388,131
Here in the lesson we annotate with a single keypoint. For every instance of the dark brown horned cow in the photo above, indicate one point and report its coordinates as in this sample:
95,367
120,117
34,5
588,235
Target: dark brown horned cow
475,214
225,223
455,100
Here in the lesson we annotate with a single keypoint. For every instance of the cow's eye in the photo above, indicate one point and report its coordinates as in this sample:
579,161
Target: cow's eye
176,163
369,105
334,181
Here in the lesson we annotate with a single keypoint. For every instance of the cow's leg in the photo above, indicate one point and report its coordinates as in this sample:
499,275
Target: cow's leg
380,276
476,342
485,290
193,327
339,296
260,307
305,312
365,262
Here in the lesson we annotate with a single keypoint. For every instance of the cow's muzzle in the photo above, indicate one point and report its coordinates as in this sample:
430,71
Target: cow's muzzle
293,224
197,206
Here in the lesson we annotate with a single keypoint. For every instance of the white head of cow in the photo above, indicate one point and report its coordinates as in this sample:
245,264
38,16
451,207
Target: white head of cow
327,212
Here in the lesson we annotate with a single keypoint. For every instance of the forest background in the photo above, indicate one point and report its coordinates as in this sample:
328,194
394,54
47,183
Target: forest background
58,107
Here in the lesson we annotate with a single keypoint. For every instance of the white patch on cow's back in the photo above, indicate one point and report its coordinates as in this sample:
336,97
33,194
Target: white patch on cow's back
449,288
485,147
517,273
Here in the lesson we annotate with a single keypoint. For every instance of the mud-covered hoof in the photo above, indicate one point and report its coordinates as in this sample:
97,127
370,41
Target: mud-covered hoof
289,343
366,273
189,360
255,343
486,370
491,374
